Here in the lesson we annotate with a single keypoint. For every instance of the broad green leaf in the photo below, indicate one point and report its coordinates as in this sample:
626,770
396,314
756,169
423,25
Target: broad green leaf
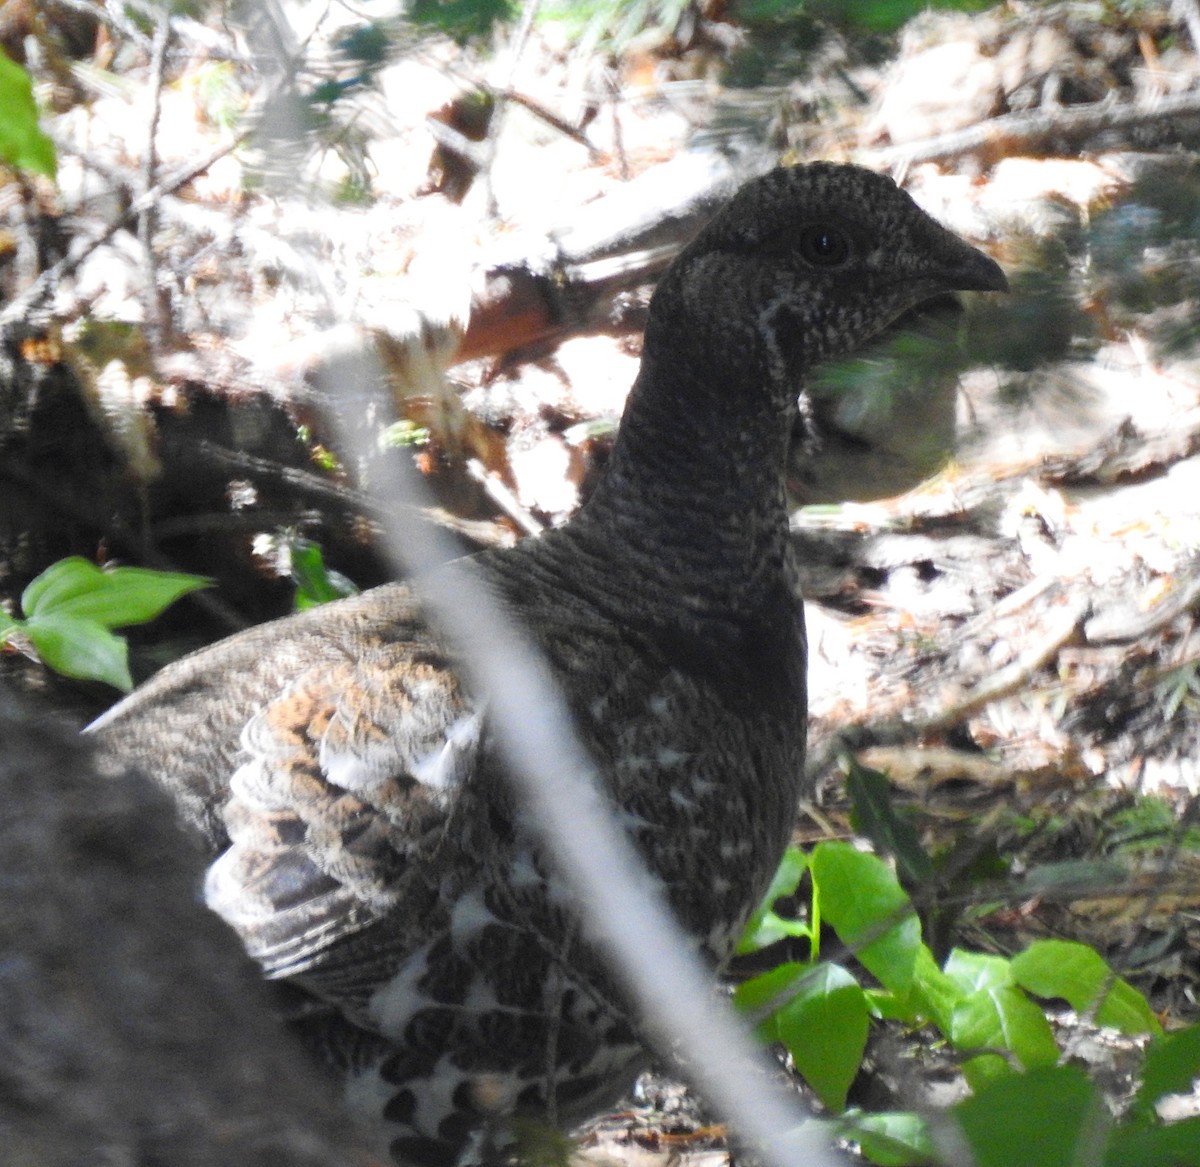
1176,1143
769,927
22,143
886,1006
932,997
973,971
1061,968
1003,1018
1172,1066
933,992
875,816
1125,1009
83,649
768,991
1051,1117
60,582
1078,974
114,597
787,875
980,1072
131,595
890,1139
824,1027
862,901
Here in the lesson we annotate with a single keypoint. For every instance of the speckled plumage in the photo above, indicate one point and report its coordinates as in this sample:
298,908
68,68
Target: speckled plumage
366,847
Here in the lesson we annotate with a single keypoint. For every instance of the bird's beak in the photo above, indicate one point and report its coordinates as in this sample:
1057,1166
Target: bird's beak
972,271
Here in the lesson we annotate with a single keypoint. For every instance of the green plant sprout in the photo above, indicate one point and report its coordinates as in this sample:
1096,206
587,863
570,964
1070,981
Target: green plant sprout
986,1007
316,583
23,145
70,610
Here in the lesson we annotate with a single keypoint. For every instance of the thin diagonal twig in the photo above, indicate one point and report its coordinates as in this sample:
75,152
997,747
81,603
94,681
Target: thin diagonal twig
147,223
43,287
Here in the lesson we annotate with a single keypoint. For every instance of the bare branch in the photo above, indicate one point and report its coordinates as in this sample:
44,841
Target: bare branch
1035,131
43,287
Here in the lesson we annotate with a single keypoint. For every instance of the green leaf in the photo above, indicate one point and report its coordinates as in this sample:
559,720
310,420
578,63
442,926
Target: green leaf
1144,824
315,583
993,1013
462,19
765,927
875,816
886,1006
1003,1018
888,1138
982,1071
114,598
1052,1117
404,434
824,1027
22,143
61,581
862,901
7,625
769,927
768,991
83,649
1172,1066
884,16
933,992
973,971
1076,875
1078,974
73,605
1177,1143
1126,1010
135,595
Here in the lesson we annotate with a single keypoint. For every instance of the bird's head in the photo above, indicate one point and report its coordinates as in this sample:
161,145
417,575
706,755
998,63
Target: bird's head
805,263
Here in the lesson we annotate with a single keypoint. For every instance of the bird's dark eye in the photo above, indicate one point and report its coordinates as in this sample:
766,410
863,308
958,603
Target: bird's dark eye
824,246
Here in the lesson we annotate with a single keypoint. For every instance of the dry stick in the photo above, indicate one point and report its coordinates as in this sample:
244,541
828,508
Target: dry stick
1009,679
998,685
550,118
156,318
303,482
516,47
504,498
1126,623
613,86
21,306
482,532
1031,129
626,915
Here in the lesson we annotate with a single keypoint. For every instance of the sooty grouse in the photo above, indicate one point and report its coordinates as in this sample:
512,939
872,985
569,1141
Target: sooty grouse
366,846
